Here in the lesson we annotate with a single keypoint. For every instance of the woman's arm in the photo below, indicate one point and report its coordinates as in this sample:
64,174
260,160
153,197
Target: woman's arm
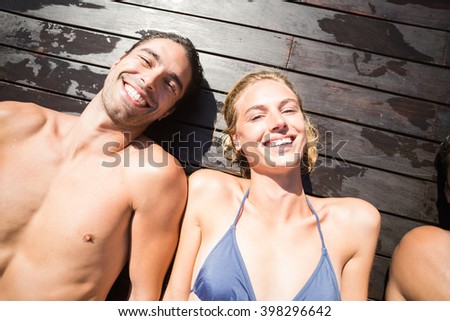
362,233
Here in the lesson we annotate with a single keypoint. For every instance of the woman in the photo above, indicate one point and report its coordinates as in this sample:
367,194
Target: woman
261,237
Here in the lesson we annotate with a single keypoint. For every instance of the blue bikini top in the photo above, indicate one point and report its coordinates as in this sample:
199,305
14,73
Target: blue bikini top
224,277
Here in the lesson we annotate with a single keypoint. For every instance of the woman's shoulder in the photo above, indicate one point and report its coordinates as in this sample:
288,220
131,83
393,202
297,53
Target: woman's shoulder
211,195
350,211
214,181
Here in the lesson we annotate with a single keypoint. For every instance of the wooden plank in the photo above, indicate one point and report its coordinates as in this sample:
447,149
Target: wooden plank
389,192
62,40
43,72
378,72
257,45
375,148
383,37
43,98
373,108
332,98
378,278
426,13
393,228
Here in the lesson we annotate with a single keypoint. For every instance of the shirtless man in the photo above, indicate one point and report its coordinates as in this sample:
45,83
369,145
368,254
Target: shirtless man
80,196
420,267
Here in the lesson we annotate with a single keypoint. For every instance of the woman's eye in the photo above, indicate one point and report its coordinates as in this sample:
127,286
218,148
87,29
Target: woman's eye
255,117
289,110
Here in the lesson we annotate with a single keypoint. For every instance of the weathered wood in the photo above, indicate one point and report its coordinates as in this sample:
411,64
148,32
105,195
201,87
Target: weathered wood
393,228
383,37
375,148
378,277
43,98
426,13
257,45
43,72
379,72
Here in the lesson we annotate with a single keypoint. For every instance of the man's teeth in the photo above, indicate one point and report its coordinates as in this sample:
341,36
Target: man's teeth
135,95
280,142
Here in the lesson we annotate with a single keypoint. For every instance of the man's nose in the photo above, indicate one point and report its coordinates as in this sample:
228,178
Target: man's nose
152,78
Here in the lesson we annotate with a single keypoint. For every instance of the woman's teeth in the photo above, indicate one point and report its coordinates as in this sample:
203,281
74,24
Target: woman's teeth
279,142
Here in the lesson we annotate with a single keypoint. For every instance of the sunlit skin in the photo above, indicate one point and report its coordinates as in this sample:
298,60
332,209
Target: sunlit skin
69,223
420,265
276,234
270,129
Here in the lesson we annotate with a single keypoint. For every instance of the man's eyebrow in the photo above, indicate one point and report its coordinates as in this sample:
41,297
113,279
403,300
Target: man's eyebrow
152,53
172,75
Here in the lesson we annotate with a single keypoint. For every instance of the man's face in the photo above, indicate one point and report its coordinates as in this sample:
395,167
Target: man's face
145,84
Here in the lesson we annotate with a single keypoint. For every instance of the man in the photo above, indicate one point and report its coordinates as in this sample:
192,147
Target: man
82,196
420,264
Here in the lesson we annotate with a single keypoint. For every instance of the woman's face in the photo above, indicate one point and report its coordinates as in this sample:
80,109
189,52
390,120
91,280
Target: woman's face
270,127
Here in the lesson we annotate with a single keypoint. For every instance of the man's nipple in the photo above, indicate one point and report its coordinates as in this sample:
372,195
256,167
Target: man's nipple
88,238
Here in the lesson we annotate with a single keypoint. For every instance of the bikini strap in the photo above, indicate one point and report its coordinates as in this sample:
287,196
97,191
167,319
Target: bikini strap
241,207
318,224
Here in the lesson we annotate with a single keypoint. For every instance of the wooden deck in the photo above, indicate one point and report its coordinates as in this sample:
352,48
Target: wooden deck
374,76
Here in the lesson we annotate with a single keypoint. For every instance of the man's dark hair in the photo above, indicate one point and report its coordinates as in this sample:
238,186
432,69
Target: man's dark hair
191,54
441,163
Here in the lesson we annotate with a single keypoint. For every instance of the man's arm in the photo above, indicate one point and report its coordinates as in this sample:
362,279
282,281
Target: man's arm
159,198
180,280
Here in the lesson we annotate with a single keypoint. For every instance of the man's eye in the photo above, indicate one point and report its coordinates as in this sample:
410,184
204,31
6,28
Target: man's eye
172,87
146,61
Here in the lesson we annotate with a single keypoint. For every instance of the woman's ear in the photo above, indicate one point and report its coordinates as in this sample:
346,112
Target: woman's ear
236,143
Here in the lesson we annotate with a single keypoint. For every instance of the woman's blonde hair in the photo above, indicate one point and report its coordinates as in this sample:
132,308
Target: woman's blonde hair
230,114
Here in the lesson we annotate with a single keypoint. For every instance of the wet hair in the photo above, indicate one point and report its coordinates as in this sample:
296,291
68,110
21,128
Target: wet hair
230,114
441,163
191,54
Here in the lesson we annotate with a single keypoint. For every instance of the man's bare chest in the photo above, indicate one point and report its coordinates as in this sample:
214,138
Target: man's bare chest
54,193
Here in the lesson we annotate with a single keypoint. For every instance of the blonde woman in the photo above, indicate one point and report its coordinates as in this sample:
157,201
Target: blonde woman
259,237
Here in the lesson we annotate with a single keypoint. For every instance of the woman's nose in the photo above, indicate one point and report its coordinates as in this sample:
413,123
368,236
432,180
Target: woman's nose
276,121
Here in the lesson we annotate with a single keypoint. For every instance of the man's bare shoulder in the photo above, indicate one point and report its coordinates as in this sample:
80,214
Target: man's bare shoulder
421,239
214,183
419,264
148,161
21,118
